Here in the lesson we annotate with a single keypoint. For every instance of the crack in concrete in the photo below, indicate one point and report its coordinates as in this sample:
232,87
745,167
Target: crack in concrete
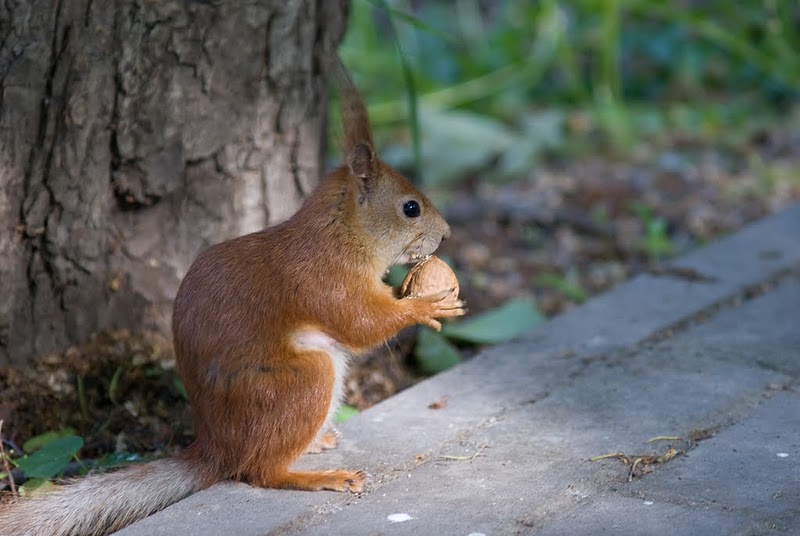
737,299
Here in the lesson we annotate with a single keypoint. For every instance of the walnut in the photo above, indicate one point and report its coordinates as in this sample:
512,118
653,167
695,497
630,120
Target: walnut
428,277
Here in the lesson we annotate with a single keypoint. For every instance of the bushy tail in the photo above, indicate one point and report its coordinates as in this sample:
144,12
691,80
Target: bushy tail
103,503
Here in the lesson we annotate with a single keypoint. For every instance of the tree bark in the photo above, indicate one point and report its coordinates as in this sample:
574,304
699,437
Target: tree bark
135,133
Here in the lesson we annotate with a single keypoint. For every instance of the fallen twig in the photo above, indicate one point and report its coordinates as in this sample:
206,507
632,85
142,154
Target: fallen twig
642,460
5,464
463,458
664,438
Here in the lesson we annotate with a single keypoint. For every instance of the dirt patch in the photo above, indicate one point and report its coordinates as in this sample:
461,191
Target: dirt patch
119,392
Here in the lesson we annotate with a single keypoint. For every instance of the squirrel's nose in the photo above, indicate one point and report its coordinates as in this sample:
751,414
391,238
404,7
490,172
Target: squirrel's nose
446,233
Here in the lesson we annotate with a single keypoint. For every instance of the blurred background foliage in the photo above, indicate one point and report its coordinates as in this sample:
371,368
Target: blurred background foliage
496,85
575,143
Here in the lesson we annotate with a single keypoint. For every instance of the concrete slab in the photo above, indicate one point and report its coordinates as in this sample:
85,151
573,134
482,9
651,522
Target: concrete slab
751,468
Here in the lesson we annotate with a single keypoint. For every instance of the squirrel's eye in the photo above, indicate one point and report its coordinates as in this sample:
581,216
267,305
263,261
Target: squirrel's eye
411,209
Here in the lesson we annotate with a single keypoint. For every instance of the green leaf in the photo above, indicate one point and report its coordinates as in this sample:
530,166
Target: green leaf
52,458
177,383
458,142
541,131
114,384
117,459
434,353
35,484
394,277
502,324
656,242
41,440
345,412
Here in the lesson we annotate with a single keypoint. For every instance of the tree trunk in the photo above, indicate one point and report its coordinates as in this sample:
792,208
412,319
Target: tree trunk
135,133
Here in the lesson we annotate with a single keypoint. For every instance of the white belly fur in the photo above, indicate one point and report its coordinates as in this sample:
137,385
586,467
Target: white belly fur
310,339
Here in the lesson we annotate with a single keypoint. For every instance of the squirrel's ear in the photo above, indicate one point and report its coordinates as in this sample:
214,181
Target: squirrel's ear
361,162
358,144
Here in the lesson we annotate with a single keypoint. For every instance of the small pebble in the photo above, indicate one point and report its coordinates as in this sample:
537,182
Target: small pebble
399,518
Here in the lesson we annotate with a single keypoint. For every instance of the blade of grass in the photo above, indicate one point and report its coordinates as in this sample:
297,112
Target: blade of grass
567,57
411,89
609,53
82,399
114,384
781,32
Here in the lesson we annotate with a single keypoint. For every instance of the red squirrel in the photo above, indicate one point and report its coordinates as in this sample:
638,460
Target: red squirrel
263,326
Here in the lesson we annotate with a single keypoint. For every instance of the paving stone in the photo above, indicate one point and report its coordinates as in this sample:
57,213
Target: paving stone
751,468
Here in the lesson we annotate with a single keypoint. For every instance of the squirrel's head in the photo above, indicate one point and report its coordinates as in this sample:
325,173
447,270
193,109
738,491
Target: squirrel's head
403,226
399,222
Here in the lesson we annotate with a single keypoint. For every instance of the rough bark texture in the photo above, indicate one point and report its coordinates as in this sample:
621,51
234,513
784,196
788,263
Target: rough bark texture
134,133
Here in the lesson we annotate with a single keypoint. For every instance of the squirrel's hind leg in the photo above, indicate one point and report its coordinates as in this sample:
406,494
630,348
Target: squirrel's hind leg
336,480
283,427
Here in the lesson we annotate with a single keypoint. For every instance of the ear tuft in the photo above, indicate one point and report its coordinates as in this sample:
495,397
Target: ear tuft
355,120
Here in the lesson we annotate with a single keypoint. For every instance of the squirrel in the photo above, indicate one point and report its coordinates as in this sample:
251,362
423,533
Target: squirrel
263,326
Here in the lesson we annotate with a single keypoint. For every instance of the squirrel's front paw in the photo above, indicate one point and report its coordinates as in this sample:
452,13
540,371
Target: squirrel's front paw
440,305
